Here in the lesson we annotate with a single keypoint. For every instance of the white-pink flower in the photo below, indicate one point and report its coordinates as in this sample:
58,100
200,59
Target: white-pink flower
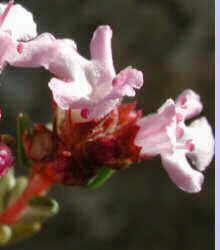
16,24
90,87
180,146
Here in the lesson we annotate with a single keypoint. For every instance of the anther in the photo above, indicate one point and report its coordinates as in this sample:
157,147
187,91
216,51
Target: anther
20,48
85,113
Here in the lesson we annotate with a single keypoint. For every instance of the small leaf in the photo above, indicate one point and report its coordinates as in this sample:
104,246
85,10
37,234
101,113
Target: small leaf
39,209
103,175
5,234
23,124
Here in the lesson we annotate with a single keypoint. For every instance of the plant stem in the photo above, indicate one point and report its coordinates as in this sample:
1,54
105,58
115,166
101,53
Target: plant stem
37,185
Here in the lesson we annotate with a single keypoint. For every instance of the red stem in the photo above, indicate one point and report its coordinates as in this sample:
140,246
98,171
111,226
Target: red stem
37,185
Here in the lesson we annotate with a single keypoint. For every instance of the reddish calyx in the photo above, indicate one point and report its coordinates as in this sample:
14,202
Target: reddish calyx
73,155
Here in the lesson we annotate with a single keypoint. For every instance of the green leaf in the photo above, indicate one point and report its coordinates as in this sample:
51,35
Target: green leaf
103,175
23,124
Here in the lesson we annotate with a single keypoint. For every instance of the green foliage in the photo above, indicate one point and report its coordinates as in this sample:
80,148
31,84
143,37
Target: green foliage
102,176
23,125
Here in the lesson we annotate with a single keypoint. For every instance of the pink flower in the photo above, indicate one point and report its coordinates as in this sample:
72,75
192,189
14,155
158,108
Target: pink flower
16,24
91,87
165,133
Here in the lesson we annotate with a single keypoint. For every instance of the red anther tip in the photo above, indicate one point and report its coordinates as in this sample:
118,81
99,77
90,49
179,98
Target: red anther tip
85,113
179,117
179,132
114,82
189,145
182,100
20,48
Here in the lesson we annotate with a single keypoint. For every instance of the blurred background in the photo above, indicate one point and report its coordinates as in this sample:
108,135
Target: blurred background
172,42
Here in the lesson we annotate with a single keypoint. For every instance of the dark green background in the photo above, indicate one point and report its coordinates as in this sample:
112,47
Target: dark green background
171,41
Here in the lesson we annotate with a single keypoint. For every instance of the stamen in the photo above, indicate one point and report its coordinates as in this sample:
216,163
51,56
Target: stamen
118,80
6,11
182,100
20,48
115,82
189,145
179,117
179,133
85,113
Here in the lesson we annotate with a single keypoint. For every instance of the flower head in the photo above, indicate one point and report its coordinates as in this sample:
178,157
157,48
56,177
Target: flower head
90,87
165,133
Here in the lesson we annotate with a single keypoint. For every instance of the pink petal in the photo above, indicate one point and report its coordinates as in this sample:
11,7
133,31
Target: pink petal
76,96
202,137
181,173
68,95
100,48
102,108
65,61
58,56
7,49
189,104
36,53
18,21
157,132
126,81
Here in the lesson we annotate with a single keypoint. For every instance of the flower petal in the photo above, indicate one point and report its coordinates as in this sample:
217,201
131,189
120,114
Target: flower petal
181,173
202,137
7,49
19,22
68,95
189,104
157,132
35,53
58,56
100,48
126,81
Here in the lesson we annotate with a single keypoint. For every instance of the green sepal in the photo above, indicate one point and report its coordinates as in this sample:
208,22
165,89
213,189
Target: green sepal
23,124
39,209
5,234
102,176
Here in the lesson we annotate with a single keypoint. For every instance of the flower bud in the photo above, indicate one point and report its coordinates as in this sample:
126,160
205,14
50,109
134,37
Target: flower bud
39,145
6,158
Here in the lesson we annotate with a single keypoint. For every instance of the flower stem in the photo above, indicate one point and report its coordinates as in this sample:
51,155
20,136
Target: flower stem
37,185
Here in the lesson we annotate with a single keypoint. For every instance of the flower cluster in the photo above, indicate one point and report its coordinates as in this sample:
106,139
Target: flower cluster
93,133
92,129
